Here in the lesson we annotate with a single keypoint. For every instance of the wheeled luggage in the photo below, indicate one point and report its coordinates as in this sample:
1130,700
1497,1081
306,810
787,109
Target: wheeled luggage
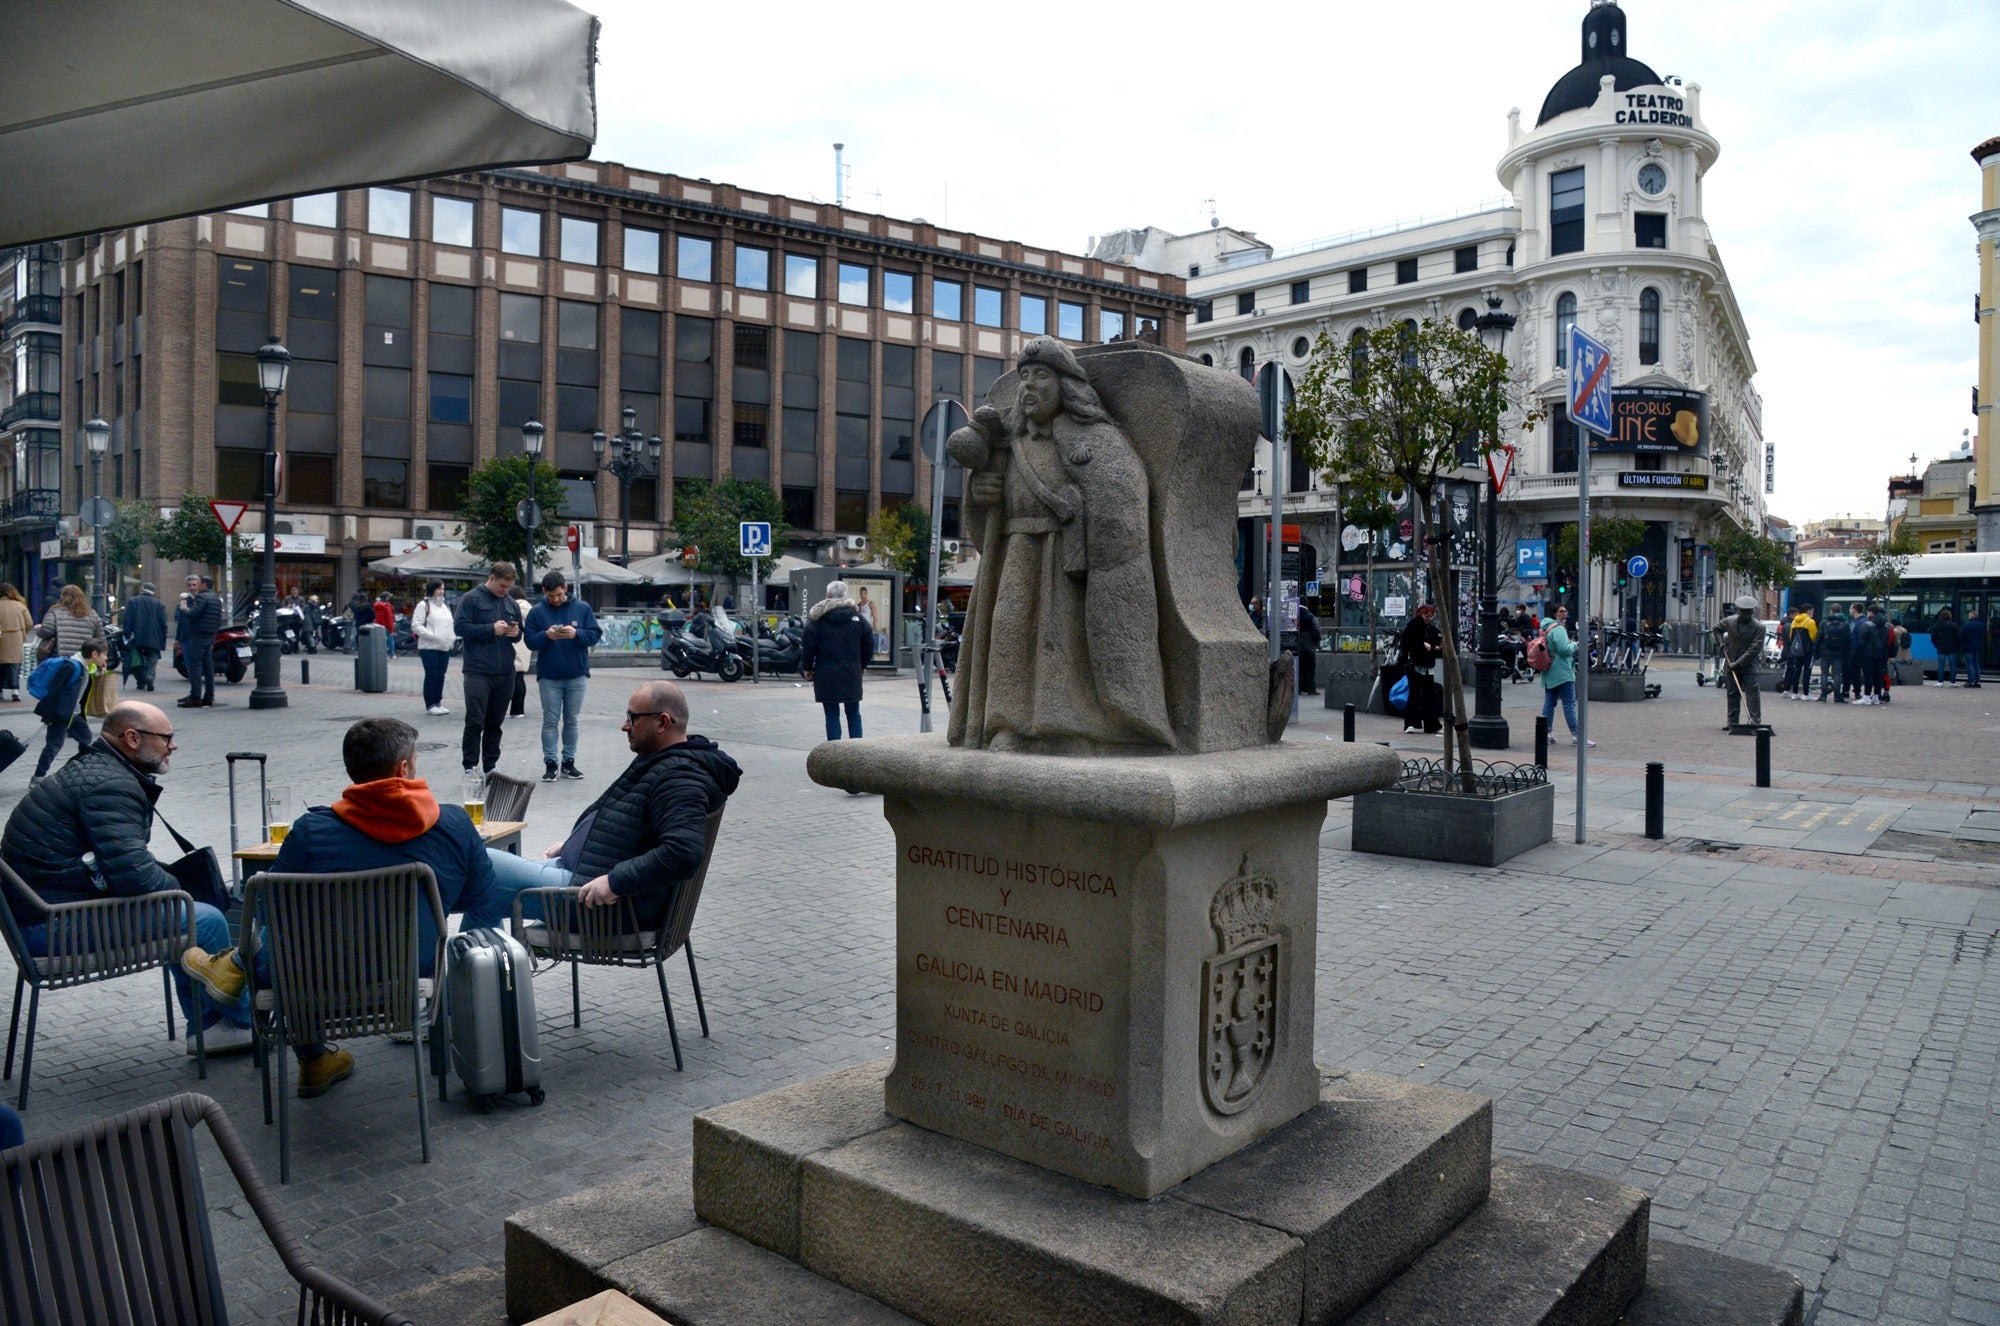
490,1001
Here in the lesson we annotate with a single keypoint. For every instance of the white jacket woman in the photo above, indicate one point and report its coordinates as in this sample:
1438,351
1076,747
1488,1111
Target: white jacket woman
431,624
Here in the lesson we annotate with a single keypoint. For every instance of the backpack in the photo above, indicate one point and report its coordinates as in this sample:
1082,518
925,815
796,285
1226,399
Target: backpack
47,676
1539,657
1800,645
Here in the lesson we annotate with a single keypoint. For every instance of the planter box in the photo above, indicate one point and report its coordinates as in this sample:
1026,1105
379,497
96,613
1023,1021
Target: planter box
1347,687
1617,687
1470,830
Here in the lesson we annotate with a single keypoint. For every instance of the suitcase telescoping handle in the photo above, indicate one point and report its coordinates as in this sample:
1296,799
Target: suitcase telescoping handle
263,800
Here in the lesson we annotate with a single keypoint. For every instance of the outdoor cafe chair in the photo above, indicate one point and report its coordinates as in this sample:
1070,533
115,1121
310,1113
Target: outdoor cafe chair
109,1224
98,940
611,936
343,964
507,798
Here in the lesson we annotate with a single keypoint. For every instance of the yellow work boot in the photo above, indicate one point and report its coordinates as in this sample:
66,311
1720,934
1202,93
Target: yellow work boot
220,974
323,1070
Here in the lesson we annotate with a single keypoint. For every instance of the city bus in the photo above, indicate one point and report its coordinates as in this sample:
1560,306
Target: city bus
1959,581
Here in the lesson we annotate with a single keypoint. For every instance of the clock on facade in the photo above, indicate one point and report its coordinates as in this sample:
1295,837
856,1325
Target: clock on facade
1652,178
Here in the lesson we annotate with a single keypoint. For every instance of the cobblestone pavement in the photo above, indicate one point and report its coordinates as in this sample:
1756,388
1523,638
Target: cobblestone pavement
1782,1031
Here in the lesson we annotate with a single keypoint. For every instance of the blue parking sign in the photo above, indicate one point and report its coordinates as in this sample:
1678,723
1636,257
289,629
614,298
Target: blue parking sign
1531,559
753,538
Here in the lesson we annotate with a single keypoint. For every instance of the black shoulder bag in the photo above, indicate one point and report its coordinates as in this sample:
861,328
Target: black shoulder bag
198,872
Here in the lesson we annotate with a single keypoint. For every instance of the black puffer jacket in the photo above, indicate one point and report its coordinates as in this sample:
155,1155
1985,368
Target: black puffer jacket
478,612
97,805
649,832
838,645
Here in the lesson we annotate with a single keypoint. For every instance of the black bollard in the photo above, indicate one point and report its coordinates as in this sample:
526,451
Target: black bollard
305,672
1542,741
1347,723
1763,755
1656,801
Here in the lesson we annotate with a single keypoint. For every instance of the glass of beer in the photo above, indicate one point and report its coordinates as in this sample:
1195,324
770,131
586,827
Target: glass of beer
278,813
475,797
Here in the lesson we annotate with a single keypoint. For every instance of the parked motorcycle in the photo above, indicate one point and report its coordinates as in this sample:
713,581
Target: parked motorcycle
233,650
698,647
776,651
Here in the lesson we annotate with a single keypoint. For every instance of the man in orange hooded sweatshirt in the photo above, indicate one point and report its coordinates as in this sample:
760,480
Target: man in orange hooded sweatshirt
387,817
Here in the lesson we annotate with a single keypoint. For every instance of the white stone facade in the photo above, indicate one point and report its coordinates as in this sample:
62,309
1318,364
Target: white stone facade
1643,151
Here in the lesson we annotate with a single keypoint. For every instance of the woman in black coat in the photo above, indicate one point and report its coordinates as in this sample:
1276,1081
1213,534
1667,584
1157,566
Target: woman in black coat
839,642
1421,644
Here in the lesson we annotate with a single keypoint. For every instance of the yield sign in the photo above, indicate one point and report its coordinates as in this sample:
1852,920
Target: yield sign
228,514
1499,461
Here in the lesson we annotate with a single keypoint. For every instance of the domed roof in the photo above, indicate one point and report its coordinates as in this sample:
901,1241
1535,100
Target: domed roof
1604,52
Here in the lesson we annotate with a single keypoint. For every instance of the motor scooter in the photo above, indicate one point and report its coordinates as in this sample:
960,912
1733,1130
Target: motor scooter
776,652
697,647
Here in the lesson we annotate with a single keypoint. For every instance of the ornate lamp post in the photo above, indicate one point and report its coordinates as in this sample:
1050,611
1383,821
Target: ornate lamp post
97,437
1488,730
274,362
528,513
635,457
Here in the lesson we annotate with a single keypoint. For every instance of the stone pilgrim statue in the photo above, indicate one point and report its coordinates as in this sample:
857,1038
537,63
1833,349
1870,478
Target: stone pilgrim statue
1063,631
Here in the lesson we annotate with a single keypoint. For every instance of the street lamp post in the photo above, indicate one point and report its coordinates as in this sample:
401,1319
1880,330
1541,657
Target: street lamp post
528,514
274,362
97,437
635,457
1488,729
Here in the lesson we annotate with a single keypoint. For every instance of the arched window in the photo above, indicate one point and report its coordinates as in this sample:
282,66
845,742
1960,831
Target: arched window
1649,326
1565,319
1357,353
1468,320
1208,360
1409,343
1246,364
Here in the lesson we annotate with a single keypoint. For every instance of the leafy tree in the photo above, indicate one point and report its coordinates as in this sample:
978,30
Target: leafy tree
126,537
1764,562
1395,411
900,536
493,491
1882,566
193,534
1612,540
707,514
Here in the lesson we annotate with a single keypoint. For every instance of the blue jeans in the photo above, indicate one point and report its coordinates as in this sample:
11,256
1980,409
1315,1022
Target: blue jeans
77,727
512,874
1971,657
1947,666
1567,694
833,708
435,662
211,931
199,654
562,700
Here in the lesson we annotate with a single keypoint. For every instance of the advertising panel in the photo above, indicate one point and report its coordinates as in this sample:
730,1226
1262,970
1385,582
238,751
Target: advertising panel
1655,421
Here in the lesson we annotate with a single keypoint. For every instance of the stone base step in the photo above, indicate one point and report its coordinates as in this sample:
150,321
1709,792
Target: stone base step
1550,1247
1695,1287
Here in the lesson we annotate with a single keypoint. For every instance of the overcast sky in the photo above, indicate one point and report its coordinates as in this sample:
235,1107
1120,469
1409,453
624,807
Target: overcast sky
1839,202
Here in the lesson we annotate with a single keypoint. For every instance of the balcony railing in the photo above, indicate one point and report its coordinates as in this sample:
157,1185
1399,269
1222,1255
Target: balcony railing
40,406
1604,482
35,504
42,309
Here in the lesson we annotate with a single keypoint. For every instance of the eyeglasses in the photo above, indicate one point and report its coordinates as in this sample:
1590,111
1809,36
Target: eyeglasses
167,737
631,717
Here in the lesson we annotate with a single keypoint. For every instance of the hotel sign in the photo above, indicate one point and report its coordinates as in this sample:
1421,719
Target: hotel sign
1660,479
1655,421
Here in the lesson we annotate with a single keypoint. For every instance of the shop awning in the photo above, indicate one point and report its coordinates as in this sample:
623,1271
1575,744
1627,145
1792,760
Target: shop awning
442,563
118,112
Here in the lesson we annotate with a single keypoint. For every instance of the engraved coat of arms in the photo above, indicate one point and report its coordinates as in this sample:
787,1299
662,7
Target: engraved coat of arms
1240,992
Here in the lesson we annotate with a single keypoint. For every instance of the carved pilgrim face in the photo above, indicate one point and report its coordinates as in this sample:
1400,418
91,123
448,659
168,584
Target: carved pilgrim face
1041,393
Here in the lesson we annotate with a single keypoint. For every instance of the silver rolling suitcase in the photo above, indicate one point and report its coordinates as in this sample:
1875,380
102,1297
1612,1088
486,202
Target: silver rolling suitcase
495,1047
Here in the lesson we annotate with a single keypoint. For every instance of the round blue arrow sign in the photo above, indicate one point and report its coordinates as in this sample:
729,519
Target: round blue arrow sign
1637,566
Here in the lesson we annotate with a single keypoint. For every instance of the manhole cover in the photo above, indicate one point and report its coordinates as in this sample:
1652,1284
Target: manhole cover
344,718
431,745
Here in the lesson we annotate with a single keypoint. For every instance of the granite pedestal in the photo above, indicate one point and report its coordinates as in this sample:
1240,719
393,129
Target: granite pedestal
1104,965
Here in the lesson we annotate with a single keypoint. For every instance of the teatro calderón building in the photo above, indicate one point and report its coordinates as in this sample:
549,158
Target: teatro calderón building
1603,227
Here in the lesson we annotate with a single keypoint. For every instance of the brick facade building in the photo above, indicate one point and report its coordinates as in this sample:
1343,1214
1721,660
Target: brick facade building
763,337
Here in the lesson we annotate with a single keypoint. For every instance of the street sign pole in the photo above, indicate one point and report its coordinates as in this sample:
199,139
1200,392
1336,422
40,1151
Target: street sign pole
1590,406
228,578
1274,393
756,622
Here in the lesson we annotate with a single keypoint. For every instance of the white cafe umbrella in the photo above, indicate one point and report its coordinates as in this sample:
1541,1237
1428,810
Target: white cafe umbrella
455,562
596,571
118,112
666,569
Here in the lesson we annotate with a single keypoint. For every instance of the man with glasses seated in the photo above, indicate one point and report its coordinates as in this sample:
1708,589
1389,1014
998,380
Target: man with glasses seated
82,834
386,817
646,832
